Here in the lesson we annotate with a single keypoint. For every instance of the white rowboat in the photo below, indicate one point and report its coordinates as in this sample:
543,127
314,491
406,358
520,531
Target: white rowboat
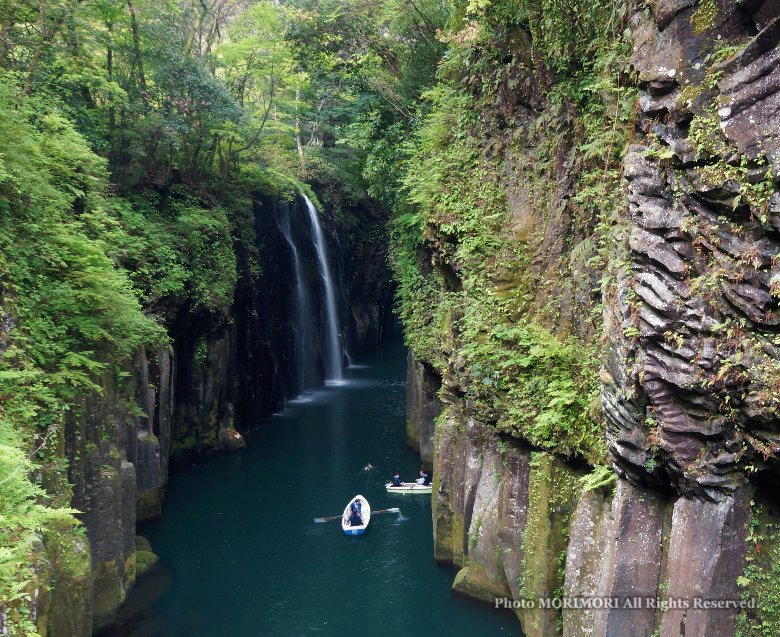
365,514
409,488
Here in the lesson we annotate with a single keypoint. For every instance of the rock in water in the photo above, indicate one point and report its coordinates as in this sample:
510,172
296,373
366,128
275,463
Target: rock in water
231,440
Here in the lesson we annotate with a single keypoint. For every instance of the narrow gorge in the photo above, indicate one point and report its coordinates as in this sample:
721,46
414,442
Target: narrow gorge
568,209
194,396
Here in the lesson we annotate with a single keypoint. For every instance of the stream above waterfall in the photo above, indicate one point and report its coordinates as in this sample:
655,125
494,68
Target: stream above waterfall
240,554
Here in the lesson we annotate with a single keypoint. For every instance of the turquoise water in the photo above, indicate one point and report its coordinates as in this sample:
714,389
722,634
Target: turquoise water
240,554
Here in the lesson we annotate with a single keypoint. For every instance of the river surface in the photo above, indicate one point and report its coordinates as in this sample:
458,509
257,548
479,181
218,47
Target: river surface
240,553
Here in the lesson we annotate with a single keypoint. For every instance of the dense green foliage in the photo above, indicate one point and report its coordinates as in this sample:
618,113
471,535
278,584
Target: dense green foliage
135,135
139,132
74,310
476,311
758,582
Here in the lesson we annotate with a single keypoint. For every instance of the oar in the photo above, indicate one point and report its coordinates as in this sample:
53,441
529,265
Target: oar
393,510
336,517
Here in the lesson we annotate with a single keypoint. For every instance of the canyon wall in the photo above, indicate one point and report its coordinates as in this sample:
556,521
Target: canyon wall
676,501
179,403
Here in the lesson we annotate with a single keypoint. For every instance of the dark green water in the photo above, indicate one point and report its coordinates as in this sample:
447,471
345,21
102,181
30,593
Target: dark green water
240,554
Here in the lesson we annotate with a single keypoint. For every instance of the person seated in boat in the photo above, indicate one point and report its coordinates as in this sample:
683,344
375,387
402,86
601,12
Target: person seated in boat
424,478
397,480
356,516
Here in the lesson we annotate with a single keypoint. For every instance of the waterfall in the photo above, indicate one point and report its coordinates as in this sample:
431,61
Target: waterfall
303,347
333,365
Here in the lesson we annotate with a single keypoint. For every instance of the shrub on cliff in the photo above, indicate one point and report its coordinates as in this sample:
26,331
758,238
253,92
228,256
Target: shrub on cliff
69,314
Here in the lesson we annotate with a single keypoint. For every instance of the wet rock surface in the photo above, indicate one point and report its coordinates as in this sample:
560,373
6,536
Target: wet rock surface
231,440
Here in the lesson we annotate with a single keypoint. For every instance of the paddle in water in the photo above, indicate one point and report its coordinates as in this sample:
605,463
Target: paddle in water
336,517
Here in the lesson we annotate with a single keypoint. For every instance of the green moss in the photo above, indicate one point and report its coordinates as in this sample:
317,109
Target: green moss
149,505
474,536
474,581
760,579
703,19
109,591
539,388
479,303
449,529
145,557
498,559
130,571
181,445
553,489
531,384
144,561
68,612
458,539
711,145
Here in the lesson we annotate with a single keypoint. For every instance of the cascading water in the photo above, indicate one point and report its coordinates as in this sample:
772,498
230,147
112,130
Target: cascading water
333,363
304,351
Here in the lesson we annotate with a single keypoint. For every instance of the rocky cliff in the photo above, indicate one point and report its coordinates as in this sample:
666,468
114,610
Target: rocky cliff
678,340
180,402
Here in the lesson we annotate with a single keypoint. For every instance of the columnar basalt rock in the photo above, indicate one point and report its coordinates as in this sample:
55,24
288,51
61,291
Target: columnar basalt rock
422,407
588,558
706,556
689,382
176,403
501,513
691,364
699,401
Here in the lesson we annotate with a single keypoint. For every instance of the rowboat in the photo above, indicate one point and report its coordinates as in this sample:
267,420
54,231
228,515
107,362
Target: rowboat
365,514
409,488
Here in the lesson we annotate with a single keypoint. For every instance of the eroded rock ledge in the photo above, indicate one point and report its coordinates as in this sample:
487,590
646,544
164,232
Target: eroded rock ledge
520,524
689,379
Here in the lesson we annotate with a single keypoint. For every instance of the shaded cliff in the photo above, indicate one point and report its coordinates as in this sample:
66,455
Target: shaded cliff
176,402
608,424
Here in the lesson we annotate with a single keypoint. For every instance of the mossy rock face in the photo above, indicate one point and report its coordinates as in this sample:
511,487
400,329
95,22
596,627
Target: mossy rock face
422,407
183,447
109,592
587,559
552,496
149,505
231,440
145,557
447,519
70,610
760,579
485,547
474,581
150,477
706,556
458,539
130,571
144,560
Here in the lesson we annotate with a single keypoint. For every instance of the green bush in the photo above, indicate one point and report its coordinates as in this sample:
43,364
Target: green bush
70,314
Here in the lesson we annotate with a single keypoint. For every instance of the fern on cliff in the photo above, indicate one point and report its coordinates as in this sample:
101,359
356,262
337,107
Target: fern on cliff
69,313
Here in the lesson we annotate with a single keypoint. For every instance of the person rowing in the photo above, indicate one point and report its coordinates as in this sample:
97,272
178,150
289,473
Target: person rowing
356,516
424,478
397,479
